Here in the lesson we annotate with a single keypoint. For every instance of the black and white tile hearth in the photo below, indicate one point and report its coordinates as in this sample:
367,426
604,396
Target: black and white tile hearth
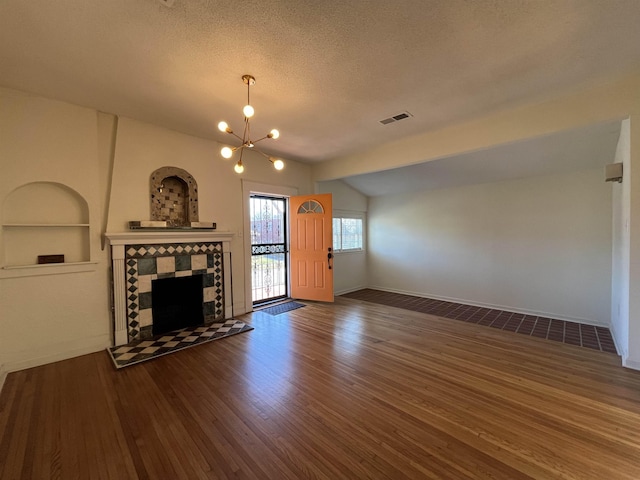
142,350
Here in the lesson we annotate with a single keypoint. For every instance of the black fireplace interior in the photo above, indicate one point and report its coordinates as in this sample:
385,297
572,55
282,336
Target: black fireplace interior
176,303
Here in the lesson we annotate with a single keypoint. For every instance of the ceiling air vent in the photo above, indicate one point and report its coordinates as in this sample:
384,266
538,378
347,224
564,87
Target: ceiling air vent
396,118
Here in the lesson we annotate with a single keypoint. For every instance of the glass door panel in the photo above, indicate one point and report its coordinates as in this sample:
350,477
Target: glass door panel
268,248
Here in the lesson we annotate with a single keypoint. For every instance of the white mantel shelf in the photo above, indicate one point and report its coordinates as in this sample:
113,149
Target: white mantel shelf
167,236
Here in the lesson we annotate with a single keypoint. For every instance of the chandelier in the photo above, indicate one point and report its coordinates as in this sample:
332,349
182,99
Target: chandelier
248,111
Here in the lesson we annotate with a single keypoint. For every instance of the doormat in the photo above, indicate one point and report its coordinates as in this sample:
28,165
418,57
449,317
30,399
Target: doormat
143,350
282,308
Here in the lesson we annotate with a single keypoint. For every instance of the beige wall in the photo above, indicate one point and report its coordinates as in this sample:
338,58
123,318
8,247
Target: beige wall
47,140
615,100
50,313
141,148
620,245
47,314
537,245
349,268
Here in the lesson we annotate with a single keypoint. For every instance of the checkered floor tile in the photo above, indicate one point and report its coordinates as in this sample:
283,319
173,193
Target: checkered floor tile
141,350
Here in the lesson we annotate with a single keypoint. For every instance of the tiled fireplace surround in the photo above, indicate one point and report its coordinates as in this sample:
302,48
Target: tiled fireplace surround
140,257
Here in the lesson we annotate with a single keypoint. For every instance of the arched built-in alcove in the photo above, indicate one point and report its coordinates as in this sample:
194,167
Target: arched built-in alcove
43,219
174,196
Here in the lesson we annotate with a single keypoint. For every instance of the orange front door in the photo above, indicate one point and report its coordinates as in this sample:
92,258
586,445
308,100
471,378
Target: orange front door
311,249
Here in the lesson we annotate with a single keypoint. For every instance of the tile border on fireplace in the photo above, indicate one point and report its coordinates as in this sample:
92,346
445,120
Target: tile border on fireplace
147,262
119,241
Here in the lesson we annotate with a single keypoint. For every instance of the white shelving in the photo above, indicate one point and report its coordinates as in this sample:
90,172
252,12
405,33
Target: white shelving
45,225
45,218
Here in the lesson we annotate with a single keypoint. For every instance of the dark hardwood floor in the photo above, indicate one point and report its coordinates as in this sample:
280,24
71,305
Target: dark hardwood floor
345,391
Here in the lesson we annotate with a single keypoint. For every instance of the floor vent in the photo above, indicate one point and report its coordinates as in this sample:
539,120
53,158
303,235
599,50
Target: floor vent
396,118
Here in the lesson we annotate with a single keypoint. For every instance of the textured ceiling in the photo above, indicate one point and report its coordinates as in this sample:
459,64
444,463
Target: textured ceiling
326,71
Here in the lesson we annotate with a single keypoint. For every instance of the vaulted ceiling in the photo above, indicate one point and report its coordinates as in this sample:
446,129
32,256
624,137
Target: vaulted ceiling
327,72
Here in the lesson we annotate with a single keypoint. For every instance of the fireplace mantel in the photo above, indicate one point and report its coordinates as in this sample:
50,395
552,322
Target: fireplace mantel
166,236
120,241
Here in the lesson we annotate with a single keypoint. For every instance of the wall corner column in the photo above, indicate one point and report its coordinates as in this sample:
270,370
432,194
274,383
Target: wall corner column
120,336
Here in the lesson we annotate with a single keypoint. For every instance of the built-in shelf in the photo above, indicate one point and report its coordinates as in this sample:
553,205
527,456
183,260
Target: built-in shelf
46,265
19,271
41,219
39,225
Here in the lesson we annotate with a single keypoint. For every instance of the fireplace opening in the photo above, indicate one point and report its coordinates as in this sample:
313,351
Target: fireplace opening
176,303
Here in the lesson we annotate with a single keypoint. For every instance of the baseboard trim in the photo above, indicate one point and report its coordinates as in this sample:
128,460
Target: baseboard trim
623,352
62,351
494,306
239,309
348,290
632,364
3,377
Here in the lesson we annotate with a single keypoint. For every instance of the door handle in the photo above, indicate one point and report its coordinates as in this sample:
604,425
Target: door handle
329,257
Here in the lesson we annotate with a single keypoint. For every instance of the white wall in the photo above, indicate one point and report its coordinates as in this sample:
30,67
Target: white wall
632,175
620,246
349,268
539,245
50,313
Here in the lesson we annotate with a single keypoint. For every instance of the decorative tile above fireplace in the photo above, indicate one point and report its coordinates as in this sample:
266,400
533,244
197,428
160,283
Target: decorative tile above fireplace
173,193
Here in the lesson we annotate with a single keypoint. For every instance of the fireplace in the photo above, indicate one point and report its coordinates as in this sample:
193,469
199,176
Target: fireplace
142,261
176,303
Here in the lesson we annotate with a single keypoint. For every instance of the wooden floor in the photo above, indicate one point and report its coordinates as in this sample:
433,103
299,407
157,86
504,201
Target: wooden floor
351,391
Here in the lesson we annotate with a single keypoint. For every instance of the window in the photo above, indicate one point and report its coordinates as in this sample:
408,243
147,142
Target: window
348,232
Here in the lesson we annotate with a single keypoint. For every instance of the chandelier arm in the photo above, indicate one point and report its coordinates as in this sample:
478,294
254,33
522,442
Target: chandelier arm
235,135
268,157
261,152
260,139
245,134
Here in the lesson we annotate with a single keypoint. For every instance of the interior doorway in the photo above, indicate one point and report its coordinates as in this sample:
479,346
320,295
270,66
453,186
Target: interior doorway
269,262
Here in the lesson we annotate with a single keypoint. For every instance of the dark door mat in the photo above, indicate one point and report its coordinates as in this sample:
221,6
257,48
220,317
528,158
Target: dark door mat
282,308
142,350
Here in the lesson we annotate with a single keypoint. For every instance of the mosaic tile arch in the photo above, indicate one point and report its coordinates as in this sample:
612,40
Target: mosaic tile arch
148,262
174,196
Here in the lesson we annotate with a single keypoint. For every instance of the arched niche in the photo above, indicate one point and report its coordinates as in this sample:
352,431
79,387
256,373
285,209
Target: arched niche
173,193
45,218
45,202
